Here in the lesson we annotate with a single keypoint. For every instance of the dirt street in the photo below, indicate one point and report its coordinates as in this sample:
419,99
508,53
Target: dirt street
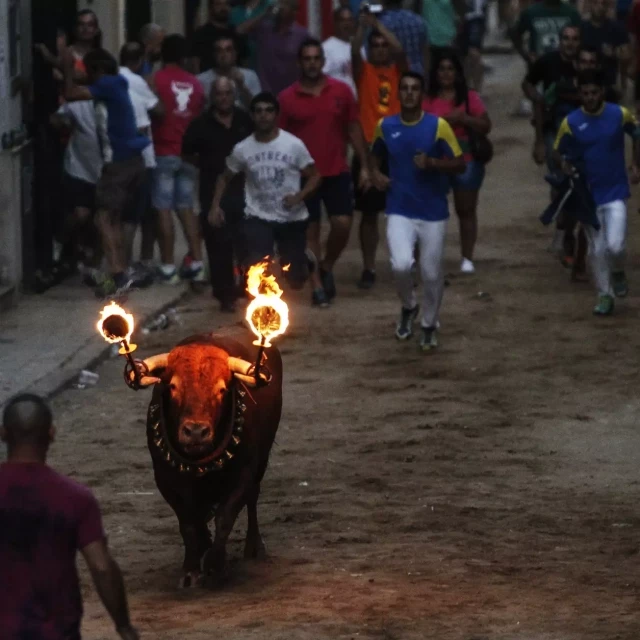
488,491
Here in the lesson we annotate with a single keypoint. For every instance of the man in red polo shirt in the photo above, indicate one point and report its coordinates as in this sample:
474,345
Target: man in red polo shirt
323,113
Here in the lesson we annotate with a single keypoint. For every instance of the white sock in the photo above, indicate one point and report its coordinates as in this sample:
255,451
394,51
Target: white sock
167,269
196,264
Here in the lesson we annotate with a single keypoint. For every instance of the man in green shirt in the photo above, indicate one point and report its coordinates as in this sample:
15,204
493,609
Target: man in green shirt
542,22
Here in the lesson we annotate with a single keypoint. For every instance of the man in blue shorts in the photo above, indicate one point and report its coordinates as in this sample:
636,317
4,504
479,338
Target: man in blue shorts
594,134
421,150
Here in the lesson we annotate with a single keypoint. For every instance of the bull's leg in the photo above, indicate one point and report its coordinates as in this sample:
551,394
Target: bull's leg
214,563
254,545
194,534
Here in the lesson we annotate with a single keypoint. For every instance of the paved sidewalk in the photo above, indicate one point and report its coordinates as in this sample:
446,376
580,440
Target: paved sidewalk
47,339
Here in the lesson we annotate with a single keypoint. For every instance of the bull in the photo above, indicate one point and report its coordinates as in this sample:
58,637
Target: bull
209,431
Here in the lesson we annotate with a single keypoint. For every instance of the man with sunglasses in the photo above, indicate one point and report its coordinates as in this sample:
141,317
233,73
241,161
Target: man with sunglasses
273,162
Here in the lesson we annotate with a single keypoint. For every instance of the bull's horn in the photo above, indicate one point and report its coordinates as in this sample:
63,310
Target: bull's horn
240,368
153,363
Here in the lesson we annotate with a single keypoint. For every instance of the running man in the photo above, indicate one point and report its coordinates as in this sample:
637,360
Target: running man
273,163
421,149
594,134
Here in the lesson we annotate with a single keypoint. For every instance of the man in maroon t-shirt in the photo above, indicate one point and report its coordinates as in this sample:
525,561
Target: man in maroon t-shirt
182,99
45,518
323,113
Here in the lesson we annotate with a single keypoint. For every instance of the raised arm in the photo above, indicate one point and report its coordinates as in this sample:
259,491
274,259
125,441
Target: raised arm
73,92
110,586
357,42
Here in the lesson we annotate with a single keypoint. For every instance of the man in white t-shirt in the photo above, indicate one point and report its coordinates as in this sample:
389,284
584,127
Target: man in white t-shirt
337,49
145,104
82,168
273,162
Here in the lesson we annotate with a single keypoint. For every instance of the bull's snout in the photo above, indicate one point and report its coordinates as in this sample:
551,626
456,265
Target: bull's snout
195,434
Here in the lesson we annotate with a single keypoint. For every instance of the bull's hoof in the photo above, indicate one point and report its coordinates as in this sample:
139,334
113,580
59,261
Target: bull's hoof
255,549
215,570
190,580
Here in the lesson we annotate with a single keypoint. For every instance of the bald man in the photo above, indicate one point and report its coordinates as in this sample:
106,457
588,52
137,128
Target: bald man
44,519
206,144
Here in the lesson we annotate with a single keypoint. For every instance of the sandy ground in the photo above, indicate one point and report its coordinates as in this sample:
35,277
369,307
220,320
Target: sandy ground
487,491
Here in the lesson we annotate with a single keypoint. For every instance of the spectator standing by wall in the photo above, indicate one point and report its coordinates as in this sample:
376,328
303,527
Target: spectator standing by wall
337,48
46,519
145,104
217,25
273,162
323,113
182,100
207,143
151,38
278,39
449,98
122,147
411,31
377,80
225,60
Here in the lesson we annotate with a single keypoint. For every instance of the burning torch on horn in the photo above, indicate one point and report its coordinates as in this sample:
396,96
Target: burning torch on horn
267,314
116,326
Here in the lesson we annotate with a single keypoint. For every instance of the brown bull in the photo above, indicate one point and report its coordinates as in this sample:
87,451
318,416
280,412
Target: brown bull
209,433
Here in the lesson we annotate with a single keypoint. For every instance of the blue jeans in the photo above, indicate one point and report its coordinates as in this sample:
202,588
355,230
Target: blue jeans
173,184
471,179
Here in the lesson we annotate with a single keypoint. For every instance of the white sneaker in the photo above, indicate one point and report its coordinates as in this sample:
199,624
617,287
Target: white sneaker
466,266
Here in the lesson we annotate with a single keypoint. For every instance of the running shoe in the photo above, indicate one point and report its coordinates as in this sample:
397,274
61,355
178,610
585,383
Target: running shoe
190,270
111,288
466,266
367,279
328,284
428,339
92,277
170,277
319,298
605,306
620,284
141,277
404,329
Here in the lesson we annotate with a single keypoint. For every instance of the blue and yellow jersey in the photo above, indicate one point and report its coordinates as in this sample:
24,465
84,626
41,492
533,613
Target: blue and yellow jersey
598,141
413,192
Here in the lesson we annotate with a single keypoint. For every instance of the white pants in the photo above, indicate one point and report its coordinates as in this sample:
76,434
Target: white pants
607,246
403,234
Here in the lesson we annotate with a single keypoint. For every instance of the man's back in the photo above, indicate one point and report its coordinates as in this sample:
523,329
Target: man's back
45,519
183,99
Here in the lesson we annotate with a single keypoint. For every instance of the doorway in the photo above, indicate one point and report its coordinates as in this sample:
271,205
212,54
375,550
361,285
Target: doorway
138,13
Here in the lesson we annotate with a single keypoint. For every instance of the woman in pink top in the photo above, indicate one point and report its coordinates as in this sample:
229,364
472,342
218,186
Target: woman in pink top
449,98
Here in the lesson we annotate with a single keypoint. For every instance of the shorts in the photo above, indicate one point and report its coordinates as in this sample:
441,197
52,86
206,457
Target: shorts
368,202
471,179
118,184
262,237
79,193
336,192
472,36
173,184
139,204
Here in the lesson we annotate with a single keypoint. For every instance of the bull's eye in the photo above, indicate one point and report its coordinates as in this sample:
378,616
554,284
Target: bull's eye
172,386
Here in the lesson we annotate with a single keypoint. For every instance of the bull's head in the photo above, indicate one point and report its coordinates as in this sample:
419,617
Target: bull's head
198,378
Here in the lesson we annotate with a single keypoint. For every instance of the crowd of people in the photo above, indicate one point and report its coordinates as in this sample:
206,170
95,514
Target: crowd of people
274,130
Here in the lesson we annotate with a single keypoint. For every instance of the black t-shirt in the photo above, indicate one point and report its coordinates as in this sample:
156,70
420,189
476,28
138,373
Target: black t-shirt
203,39
558,78
609,35
207,138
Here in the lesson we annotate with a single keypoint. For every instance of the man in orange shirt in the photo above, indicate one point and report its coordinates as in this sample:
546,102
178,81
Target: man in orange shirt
377,83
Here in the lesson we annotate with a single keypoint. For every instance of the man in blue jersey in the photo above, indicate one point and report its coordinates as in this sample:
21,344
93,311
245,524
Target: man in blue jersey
594,136
421,149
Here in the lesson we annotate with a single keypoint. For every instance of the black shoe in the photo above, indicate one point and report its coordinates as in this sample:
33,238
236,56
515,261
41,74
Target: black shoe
404,330
367,279
227,307
328,283
140,276
319,298
114,287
